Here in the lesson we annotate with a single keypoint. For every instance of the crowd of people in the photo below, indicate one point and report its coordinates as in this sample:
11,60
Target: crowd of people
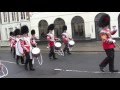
22,43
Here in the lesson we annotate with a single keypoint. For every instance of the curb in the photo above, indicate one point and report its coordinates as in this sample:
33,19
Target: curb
47,50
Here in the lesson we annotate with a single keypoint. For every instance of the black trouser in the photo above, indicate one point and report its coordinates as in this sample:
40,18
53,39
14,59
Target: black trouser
14,52
28,60
109,59
66,48
11,49
52,53
20,57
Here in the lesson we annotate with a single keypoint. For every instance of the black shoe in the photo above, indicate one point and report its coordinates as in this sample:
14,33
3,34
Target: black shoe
32,69
55,58
101,69
22,63
69,53
50,58
114,71
26,68
17,62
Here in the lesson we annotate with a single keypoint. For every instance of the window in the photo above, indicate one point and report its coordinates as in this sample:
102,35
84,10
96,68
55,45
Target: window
17,16
8,17
22,15
13,16
27,16
5,16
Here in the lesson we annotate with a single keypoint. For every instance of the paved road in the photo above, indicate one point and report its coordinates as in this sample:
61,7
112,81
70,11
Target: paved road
77,65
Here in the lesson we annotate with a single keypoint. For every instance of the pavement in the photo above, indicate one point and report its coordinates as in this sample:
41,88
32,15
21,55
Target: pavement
82,46
83,63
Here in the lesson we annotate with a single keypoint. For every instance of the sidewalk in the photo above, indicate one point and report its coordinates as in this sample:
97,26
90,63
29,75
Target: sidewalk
89,46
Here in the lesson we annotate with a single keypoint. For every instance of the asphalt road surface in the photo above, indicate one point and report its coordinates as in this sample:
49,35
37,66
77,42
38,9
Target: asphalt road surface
77,65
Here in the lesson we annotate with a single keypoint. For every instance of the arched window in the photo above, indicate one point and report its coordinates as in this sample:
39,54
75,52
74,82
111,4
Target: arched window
78,28
42,27
59,23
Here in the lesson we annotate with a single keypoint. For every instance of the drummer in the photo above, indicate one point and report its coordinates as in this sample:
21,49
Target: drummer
13,44
51,39
33,38
65,39
11,40
27,47
18,48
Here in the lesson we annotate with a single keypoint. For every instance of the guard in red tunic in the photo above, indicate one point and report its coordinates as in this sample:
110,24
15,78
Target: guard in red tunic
27,47
18,47
11,40
13,45
33,38
51,40
108,44
65,39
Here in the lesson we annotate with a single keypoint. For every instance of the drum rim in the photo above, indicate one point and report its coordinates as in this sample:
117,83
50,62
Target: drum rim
36,48
72,41
59,44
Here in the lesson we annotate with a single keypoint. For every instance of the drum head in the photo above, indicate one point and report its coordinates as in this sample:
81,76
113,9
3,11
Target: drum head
71,42
57,44
35,50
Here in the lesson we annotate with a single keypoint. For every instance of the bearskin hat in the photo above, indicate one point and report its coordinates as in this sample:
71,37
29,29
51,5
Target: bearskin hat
11,33
64,28
32,32
17,32
104,21
24,30
51,27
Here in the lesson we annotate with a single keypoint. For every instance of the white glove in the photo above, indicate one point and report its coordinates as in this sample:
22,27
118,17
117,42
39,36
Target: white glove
111,41
114,41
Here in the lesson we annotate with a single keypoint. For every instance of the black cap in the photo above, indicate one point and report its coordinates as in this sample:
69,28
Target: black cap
51,27
64,28
11,33
104,21
17,32
32,32
24,30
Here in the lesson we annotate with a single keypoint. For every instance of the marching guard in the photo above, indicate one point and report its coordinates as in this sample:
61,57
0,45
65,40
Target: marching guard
11,40
13,45
27,47
33,38
18,47
108,44
66,39
51,40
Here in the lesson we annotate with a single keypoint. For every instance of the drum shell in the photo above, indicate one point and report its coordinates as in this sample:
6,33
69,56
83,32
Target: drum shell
36,55
57,48
70,44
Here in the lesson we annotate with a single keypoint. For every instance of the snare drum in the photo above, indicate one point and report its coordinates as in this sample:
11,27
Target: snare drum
36,52
71,43
58,45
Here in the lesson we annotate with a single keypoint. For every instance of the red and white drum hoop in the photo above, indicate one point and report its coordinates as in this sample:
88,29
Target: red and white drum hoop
36,52
58,45
71,43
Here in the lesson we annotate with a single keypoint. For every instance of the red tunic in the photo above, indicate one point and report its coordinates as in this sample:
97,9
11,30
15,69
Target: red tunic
107,44
51,39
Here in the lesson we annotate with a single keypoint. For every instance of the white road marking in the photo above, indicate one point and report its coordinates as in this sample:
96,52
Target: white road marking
8,61
83,71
